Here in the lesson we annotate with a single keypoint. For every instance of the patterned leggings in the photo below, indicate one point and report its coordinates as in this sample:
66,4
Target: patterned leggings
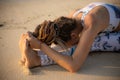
103,42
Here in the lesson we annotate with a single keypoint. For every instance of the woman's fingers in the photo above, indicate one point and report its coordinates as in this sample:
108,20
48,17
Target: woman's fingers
30,40
30,34
27,43
25,38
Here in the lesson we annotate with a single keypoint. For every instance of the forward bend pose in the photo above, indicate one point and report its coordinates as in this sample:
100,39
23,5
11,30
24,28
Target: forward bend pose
96,27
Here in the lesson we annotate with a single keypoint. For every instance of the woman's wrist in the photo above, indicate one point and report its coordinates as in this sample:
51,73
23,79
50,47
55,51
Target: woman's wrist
40,44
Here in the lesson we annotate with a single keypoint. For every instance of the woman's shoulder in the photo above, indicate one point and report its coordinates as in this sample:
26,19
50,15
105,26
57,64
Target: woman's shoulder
92,22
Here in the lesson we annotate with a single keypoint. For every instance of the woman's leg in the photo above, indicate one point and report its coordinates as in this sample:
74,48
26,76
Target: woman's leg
107,42
103,42
29,57
46,60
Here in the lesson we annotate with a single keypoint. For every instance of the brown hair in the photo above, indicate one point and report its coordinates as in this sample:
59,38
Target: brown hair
54,31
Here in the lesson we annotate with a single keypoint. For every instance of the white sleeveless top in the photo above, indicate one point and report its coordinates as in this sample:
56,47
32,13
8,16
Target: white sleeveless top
114,13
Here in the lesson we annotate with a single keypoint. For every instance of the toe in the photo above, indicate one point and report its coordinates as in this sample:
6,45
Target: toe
22,63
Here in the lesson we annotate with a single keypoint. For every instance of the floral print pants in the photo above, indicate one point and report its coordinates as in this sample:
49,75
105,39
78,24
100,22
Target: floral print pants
103,42
107,42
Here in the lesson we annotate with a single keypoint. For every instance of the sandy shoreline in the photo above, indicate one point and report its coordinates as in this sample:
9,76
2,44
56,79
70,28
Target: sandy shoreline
19,16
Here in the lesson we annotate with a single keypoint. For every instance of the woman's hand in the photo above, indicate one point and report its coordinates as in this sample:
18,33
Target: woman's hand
34,42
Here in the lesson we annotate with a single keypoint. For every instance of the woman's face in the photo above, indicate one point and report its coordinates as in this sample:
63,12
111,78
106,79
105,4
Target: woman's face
74,38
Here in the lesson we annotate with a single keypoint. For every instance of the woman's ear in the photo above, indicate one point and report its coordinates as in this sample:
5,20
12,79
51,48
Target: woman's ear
74,36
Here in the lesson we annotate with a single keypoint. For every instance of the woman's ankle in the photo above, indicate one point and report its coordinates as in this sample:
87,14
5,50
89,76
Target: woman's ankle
32,64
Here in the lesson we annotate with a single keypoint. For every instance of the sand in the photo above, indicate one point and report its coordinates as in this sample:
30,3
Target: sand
19,16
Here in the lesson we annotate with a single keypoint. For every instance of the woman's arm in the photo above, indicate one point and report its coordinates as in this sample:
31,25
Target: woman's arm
74,62
71,63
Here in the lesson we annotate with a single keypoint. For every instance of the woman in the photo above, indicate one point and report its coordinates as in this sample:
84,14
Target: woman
84,28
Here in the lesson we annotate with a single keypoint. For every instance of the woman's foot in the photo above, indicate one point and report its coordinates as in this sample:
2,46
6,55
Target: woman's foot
29,57
32,59
21,41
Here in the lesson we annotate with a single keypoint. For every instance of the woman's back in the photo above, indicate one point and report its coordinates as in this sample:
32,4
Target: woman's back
101,15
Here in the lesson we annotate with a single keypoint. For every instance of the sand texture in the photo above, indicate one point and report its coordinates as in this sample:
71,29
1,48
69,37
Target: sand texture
19,16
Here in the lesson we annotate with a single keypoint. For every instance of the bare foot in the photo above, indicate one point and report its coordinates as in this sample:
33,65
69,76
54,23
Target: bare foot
21,41
31,57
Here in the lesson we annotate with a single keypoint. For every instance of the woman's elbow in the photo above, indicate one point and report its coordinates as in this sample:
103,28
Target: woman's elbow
73,69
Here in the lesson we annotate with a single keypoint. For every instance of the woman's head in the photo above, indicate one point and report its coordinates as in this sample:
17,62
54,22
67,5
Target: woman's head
66,25
52,31
45,32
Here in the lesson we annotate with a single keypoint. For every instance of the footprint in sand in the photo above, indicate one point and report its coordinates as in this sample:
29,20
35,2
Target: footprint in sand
1,25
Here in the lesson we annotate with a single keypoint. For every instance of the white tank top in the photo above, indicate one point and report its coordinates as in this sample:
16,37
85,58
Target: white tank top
114,21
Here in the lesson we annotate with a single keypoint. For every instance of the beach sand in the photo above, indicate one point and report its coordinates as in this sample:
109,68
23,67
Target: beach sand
19,16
